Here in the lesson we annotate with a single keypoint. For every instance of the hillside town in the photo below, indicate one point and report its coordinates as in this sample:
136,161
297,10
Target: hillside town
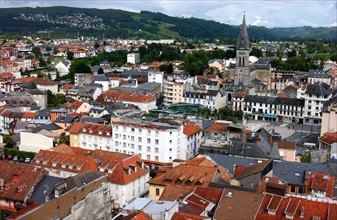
86,134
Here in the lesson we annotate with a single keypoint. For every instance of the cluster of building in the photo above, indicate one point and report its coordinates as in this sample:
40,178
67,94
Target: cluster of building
137,147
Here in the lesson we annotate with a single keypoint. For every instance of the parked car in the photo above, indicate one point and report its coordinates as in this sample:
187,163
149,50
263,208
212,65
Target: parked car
9,157
2,156
15,158
27,160
21,159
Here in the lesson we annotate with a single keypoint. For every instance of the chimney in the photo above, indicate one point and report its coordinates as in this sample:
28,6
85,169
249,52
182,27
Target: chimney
46,196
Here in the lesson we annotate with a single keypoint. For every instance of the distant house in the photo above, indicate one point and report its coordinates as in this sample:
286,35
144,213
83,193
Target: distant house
32,142
45,84
63,67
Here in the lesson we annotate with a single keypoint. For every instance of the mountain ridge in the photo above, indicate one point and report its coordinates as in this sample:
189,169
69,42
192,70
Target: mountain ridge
145,24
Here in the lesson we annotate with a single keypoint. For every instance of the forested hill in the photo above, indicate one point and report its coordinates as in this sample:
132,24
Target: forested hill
69,22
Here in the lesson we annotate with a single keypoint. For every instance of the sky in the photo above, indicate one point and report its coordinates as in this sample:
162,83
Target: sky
268,13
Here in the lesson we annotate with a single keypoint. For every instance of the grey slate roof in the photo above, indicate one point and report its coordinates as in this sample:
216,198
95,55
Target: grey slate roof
48,127
248,149
228,161
243,39
65,119
46,185
81,179
101,78
319,89
318,74
294,173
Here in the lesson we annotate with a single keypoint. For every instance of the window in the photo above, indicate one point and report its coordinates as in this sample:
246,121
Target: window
156,150
148,157
156,141
139,147
148,131
124,137
132,146
124,128
157,191
148,149
149,141
132,138
156,158
139,139
132,129
139,130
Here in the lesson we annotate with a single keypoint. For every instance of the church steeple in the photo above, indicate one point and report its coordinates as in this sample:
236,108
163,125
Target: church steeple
243,40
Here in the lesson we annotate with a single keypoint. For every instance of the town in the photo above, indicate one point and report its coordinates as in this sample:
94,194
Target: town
99,128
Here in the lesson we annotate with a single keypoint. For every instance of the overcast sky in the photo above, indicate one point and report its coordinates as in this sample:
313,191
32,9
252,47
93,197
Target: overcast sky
268,13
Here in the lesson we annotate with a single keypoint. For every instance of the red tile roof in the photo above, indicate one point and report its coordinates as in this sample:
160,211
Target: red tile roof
75,105
329,137
6,113
120,168
117,95
190,128
185,216
44,81
217,127
284,144
240,94
18,179
320,181
295,206
23,211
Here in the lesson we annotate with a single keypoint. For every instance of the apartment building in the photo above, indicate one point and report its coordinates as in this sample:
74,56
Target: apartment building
211,99
273,108
315,95
91,136
174,89
159,141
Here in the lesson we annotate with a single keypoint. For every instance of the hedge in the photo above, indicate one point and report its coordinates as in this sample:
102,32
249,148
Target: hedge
23,154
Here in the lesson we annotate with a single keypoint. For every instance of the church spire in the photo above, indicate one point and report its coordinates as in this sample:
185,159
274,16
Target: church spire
243,40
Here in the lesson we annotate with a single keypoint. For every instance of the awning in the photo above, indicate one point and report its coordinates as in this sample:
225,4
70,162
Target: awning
269,116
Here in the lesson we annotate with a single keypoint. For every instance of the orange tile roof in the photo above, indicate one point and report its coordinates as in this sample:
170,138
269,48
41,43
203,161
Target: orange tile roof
238,169
67,86
18,180
26,79
240,94
92,129
172,193
6,113
191,128
29,115
218,127
64,161
190,174
63,148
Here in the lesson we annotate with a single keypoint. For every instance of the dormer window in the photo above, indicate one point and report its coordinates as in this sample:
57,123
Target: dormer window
99,132
84,129
90,130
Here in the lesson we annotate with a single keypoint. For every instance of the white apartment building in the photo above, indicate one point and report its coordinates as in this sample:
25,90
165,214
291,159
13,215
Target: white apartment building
155,140
315,95
211,99
273,108
133,58
319,76
157,77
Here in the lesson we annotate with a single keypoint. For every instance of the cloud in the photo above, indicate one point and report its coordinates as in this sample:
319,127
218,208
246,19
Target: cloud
259,22
269,13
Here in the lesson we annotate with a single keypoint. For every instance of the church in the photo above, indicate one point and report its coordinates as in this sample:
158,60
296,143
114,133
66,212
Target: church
243,76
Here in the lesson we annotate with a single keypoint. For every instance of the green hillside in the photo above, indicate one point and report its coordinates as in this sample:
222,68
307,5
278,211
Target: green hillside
69,22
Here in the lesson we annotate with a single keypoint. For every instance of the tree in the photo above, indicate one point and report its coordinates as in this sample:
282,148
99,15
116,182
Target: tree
70,55
96,45
306,159
100,71
36,51
8,141
64,139
196,62
256,52
78,66
205,112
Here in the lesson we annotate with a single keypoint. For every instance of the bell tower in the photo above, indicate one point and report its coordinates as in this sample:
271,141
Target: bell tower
242,75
